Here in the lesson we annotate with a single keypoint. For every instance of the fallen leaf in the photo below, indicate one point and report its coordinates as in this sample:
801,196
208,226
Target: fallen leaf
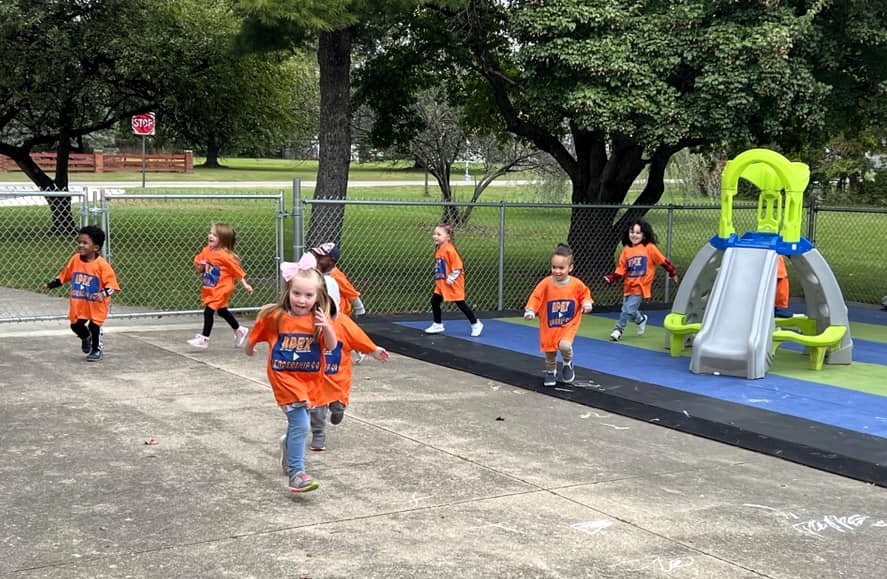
500,418
152,442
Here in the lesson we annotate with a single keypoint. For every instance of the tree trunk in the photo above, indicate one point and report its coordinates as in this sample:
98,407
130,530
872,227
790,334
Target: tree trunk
593,240
62,216
604,181
334,60
60,207
212,154
62,162
441,173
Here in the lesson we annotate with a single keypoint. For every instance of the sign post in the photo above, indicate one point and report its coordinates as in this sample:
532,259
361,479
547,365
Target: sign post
143,124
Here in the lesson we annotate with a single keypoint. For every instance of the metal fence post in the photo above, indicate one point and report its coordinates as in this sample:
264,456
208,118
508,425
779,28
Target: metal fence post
298,232
106,224
668,236
500,300
281,223
811,220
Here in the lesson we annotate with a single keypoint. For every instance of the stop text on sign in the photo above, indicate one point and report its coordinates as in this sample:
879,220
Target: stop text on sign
143,124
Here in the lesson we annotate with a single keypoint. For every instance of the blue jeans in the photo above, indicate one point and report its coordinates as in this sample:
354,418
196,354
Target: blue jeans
296,434
630,311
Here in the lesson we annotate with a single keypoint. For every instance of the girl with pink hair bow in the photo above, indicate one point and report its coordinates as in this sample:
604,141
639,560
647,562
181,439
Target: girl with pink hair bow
298,329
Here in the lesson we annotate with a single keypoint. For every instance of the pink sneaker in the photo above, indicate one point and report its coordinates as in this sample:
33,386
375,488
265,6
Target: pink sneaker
199,341
240,336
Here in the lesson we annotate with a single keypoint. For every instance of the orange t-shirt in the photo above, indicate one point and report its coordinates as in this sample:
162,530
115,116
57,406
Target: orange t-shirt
637,264
559,309
782,287
336,384
220,270
88,279
447,259
347,291
295,359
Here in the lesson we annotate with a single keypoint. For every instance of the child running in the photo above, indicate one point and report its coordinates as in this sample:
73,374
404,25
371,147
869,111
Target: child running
297,330
781,307
349,302
93,282
449,281
335,391
220,267
637,264
328,255
559,301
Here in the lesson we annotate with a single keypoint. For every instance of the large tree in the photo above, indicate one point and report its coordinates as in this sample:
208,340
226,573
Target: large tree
612,88
444,137
332,27
252,102
70,69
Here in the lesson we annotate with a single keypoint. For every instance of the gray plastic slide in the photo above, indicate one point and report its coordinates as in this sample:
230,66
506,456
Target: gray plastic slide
737,326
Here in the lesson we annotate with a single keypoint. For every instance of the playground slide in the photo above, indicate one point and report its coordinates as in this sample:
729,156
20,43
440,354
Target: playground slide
737,326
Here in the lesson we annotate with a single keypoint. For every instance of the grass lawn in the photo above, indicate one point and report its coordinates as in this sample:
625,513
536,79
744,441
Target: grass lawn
386,248
236,169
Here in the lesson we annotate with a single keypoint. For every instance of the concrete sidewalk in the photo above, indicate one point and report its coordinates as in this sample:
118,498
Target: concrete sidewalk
434,473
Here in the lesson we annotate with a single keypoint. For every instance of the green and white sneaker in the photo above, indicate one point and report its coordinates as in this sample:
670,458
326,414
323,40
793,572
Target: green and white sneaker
301,482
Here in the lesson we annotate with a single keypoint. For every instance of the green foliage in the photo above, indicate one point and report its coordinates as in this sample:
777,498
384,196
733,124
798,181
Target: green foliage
294,24
70,69
666,73
610,89
267,102
875,192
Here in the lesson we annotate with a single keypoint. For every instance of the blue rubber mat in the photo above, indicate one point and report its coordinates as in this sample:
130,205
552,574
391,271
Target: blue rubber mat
859,314
863,350
810,400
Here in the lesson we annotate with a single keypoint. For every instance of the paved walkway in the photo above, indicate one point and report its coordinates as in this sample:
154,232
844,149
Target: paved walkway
161,462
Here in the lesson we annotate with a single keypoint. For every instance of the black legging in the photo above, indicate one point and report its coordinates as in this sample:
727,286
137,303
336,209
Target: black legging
437,300
208,314
93,331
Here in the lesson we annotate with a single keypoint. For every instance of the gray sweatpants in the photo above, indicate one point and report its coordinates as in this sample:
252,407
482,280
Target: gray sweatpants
318,425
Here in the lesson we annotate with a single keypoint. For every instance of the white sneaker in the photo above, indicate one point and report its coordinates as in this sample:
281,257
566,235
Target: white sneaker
434,328
476,328
615,335
240,336
199,341
642,325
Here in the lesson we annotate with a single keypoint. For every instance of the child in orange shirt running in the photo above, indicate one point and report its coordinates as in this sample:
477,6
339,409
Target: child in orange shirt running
335,390
349,301
559,301
637,264
297,330
781,303
93,282
219,267
328,255
449,281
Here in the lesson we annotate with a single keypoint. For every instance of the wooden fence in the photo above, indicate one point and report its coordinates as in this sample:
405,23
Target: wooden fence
101,162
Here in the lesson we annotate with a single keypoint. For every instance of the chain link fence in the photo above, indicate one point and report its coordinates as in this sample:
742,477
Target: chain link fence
849,239
387,250
151,243
31,224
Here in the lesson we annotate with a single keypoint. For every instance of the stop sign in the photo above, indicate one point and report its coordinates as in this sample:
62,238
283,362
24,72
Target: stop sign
143,124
